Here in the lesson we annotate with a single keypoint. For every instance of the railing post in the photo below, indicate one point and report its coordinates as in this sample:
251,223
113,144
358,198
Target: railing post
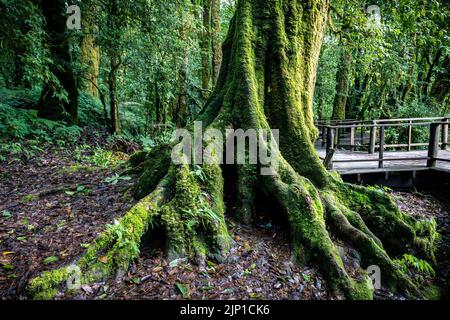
362,135
324,137
330,139
337,136
373,137
352,137
445,135
409,135
433,145
381,154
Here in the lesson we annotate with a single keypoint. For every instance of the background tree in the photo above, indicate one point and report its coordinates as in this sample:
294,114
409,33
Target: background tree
90,51
59,99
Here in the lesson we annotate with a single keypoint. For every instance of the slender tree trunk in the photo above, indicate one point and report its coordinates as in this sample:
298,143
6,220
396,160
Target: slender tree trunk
114,64
342,85
90,52
113,103
206,44
430,72
266,82
216,42
50,105
180,110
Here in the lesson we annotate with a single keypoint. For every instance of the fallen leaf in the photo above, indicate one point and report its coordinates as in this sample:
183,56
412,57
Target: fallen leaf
157,269
183,290
103,259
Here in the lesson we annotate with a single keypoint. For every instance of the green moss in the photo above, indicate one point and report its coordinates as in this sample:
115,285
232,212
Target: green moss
138,158
155,168
362,290
46,286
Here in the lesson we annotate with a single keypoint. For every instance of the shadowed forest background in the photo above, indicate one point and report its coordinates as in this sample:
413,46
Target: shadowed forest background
84,112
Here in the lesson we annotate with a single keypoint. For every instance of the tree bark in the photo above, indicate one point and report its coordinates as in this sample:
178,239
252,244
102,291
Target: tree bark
206,44
50,105
113,103
114,64
216,42
90,52
266,82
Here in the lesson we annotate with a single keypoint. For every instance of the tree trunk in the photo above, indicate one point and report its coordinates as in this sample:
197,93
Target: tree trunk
113,103
114,56
342,85
51,104
206,44
216,42
90,52
266,81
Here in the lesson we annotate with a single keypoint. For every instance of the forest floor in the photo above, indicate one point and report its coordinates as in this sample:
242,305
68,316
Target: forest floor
54,204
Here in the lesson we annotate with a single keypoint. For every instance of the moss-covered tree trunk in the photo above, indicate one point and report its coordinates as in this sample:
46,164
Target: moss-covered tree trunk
90,51
206,44
216,42
266,81
52,104
342,85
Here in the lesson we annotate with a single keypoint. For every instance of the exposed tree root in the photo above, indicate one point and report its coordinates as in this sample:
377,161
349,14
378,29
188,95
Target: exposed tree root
188,205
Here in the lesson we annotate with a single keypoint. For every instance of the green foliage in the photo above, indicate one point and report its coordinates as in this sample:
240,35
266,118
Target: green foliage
394,66
123,238
183,289
97,156
23,133
116,178
419,270
50,260
90,111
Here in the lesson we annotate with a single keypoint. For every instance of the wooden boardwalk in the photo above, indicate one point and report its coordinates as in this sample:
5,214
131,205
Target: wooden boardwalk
358,147
359,166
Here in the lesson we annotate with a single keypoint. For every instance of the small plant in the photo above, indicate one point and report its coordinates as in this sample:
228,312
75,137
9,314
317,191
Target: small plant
50,260
6,214
79,190
183,289
199,173
123,238
419,270
116,178
29,198
409,261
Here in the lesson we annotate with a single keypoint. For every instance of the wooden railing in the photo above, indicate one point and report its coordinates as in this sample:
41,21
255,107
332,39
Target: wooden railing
333,134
